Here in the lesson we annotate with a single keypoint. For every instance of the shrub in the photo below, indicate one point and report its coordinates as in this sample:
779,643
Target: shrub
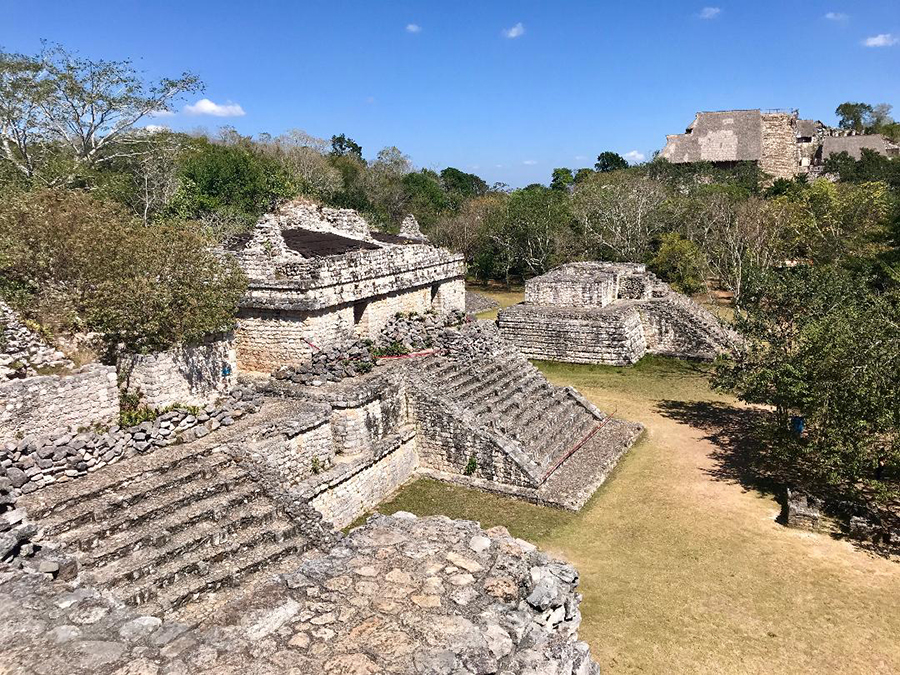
471,466
679,262
80,264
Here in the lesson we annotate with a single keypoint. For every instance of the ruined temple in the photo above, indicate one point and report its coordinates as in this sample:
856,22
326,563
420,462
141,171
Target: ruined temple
778,141
609,313
318,275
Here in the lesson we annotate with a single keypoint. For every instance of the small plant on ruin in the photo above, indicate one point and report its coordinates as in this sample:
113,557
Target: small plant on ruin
131,411
471,466
362,367
316,465
395,348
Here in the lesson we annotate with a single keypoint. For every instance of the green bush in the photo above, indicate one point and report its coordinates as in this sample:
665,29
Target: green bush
679,262
80,264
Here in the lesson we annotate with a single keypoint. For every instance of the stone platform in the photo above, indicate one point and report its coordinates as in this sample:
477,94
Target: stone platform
610,314
398,595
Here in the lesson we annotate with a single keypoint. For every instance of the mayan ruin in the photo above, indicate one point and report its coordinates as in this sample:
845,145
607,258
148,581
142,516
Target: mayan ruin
406,339
782,144
609,313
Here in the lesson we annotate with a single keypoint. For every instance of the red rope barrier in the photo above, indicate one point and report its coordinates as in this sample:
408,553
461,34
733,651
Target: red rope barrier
578,446
406,356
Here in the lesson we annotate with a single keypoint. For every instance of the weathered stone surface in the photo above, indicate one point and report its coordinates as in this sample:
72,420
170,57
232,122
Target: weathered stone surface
289,627
610,313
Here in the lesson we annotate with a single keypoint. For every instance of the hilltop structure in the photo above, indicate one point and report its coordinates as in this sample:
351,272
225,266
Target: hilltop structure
609,313
779,142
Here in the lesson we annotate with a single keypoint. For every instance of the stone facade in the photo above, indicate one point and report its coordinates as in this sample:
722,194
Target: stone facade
318,276
40,459
779,142
612,314
186,375
44,403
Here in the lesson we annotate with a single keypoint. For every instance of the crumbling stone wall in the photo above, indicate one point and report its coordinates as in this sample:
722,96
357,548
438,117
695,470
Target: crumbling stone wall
448,443
188,375
39,459
610,313
38,405
612,336
780,156
359,487
267,339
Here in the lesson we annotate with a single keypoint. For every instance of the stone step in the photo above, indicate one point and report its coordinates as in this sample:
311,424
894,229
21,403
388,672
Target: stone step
501,387
470,381
231,554
209,507
242,568
66,495
497,399
247,523
154,499
525,398
565,435
142,486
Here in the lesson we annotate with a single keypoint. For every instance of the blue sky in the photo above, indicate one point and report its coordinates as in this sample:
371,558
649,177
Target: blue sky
507,90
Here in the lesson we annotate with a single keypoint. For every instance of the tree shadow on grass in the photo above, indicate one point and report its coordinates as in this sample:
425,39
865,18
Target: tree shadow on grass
740,454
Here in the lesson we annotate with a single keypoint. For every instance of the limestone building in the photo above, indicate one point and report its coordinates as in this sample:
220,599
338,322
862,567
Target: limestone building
778,141
318,276
609,313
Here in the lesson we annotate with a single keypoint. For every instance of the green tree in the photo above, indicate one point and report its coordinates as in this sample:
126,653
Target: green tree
229,179
343,145
821,344
76,263
610,161
59,105
854,116
562,179
679,261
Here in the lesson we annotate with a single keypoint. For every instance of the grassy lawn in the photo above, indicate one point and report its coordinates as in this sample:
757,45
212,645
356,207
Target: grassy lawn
504,296
683,567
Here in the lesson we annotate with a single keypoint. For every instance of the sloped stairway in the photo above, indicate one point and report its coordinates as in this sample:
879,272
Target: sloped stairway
509,396
183,525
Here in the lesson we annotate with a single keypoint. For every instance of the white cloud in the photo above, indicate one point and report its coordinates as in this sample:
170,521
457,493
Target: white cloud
413,28
160,113
156,128
836,16
709,12
516,31
530,162
206,107
635,157
578,158
883,40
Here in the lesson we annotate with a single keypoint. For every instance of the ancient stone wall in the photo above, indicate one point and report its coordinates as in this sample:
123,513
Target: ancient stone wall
571,292
267,339
38,405
780,156
39,459
187,375
373,314
448,443
354,489
448,296
611,336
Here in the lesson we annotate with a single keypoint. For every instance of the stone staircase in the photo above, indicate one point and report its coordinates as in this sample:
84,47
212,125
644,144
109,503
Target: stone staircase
508,396
179,529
